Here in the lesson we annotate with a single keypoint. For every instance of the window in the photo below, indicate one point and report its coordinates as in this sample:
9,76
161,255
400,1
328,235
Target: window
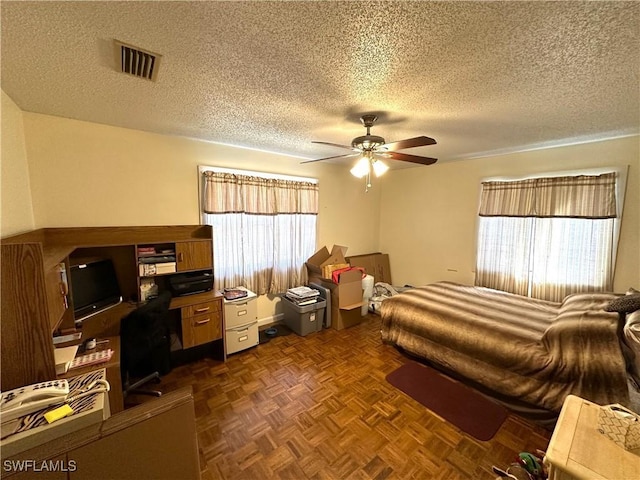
264,228
548,237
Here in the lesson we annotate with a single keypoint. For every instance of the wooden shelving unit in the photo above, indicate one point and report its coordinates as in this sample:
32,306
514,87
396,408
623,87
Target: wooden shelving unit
36,302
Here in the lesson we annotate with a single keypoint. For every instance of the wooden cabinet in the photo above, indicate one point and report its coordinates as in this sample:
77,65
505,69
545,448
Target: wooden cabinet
34,302
25,329
194,256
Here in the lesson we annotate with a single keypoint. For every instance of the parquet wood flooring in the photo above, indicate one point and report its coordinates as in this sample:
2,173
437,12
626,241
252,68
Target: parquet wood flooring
319,407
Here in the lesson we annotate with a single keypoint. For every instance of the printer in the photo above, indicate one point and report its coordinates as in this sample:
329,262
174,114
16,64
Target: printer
190,283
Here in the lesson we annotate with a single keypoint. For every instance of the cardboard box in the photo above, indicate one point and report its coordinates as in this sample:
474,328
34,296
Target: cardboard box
375,264
346,294
341,318
322,258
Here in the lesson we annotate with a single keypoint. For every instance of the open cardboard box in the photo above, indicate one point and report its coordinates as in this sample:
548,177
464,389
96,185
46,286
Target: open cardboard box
346,295
375,264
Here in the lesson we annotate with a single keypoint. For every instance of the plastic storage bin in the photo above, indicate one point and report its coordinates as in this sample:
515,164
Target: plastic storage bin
305,319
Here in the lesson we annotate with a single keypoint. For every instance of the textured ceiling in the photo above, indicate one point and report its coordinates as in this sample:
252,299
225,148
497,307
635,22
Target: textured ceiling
479,77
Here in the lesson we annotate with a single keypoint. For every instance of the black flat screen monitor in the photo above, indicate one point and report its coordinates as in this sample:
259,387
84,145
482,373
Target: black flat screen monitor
94,288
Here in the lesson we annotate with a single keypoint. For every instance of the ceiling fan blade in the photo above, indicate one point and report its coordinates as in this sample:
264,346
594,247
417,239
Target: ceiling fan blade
348,147
409,143
332,158
410,158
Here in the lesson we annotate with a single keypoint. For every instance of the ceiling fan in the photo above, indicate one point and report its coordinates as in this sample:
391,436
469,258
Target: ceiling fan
370,147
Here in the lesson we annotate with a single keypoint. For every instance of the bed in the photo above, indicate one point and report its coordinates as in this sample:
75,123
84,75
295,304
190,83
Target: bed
533,352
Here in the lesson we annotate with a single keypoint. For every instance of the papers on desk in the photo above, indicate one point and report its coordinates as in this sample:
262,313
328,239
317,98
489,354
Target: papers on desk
63,357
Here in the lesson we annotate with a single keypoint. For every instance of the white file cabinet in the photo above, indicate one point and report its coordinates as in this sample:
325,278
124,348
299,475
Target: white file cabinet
241,323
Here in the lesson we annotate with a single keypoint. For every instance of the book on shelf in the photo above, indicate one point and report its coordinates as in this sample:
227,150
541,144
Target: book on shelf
146,251
156,268
157,259
168,267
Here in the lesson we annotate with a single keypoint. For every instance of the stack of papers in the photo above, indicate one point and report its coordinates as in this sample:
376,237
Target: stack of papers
302,295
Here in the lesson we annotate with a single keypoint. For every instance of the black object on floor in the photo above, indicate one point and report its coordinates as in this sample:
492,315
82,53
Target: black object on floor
268,333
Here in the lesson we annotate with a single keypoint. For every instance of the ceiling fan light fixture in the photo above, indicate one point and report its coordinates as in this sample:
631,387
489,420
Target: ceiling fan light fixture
379,168
361,168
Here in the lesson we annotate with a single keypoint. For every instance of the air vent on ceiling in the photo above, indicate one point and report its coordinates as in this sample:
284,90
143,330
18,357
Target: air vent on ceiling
137,62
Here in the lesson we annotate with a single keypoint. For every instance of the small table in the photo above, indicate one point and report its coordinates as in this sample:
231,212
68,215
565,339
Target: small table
112,367
577,450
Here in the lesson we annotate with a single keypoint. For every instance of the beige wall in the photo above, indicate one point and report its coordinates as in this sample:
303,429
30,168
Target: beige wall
16,211
86,174
428,214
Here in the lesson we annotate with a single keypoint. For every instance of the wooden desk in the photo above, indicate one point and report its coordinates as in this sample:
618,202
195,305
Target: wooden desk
195,332
116,399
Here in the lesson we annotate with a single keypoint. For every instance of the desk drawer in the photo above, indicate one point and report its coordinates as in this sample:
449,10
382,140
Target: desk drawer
204,308
201,329
240,313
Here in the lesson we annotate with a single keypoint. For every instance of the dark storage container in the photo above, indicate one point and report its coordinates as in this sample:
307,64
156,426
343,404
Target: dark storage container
305,319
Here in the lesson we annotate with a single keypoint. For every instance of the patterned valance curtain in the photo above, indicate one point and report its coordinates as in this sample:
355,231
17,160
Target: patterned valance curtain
233,193
264,230
547,237
582,196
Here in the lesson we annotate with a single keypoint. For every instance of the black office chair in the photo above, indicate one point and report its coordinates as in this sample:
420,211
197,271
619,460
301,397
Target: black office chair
146,345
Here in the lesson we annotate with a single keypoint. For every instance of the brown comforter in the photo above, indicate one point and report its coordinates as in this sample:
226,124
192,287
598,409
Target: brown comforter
531,350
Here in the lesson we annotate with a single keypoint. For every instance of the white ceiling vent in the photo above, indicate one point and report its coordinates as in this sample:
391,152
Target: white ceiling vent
136,61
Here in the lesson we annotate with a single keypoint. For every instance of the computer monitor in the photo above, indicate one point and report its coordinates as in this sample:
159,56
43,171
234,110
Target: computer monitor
94,288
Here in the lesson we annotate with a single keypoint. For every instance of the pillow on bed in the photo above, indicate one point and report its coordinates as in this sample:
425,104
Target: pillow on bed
625,304
595,302
632,337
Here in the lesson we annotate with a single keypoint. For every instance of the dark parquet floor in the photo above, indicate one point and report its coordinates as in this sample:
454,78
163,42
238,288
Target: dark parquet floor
319,407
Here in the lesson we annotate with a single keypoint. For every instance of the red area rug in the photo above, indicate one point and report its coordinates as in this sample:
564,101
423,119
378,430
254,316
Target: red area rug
460,405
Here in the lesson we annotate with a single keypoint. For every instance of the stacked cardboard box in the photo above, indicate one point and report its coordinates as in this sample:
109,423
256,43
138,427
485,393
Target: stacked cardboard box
346,295
375,264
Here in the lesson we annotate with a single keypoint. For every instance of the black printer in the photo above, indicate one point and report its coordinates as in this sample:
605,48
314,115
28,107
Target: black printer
190,283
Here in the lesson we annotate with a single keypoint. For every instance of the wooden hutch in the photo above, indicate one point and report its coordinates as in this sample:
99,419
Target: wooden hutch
37,302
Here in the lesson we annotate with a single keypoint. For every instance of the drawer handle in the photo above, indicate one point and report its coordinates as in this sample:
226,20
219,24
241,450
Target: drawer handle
202,322
243,338
202,310
242,312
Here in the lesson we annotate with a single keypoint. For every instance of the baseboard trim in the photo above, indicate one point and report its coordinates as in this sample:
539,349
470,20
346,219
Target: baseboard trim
269,320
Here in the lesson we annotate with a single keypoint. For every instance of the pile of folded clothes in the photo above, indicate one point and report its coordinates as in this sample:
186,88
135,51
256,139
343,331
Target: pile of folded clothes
302,295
